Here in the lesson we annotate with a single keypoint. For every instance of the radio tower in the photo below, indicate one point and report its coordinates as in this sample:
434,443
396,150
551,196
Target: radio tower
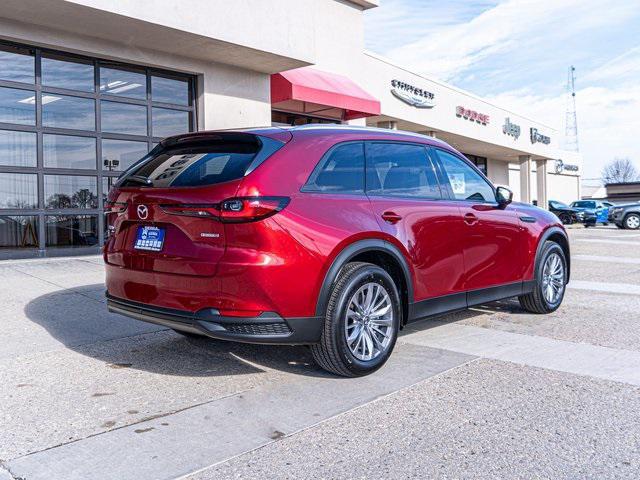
571,120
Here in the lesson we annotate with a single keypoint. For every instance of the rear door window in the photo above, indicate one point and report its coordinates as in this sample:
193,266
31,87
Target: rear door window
340,171
404,170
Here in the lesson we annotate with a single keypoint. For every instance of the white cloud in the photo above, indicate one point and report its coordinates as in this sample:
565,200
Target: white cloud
495,47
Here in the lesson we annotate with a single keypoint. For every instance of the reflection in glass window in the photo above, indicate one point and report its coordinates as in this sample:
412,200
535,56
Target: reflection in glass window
70,191
18,231
62,111
400,170
124,118
466,183
17,106
64,151
65,74
341,172
123,83
18,149
169,122
107,183
17,64
18,190
121,154
71,230
169,90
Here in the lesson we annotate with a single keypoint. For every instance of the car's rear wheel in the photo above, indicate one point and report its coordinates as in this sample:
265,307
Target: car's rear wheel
632,221
361,321
550,281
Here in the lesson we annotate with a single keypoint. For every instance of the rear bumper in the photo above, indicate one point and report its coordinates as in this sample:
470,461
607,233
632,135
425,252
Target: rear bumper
268,328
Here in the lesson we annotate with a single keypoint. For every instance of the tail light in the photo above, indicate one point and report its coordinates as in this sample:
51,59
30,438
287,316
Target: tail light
114,207
232,210
111,211
251,209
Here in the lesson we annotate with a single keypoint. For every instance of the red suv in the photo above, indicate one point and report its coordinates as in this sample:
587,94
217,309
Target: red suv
331,236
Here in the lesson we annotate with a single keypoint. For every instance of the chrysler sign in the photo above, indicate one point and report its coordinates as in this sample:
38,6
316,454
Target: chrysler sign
414,96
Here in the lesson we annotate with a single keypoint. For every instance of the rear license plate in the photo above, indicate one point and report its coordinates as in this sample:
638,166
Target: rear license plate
149,238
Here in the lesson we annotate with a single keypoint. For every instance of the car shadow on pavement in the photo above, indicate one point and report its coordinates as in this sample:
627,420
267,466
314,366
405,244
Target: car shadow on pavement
78,318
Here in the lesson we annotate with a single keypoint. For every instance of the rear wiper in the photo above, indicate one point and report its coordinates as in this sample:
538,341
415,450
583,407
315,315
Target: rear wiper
139,179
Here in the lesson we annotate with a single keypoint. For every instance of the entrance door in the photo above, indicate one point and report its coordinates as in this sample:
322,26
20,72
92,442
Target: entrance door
407,202
494,241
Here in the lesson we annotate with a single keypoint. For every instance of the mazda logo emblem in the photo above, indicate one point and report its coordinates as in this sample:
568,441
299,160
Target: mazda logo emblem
143,212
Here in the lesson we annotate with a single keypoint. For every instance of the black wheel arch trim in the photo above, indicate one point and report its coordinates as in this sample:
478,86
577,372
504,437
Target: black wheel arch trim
548,233
350,252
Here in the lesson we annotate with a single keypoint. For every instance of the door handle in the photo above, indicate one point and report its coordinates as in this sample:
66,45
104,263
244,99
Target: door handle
391,217
470,218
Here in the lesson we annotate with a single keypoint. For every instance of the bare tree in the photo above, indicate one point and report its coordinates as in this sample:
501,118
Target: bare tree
620,170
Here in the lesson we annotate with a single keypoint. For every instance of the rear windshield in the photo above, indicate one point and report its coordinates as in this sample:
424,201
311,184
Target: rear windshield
202,162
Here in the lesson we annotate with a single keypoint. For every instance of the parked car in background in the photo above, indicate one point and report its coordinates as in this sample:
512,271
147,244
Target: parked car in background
596,207
332,236
610,206
626,216
565,213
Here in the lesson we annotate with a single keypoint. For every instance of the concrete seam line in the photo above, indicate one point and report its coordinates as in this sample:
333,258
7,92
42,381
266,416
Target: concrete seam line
48,260
142,420
52,350
71,290
337,415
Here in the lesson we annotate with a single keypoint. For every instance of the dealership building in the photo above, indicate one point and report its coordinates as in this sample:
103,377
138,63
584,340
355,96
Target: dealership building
89,86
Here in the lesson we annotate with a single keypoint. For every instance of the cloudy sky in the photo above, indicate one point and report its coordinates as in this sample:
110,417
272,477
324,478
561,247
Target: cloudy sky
516,53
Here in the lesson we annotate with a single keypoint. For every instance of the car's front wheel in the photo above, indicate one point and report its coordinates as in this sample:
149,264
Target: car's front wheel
550,281
361,321
632,221
566,219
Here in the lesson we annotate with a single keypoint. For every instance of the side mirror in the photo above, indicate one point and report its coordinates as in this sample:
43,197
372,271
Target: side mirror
504,196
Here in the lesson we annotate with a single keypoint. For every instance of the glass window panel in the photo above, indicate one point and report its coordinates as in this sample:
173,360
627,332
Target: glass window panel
18,149
167,122
70,191
17,106
18,190
62,73
61,111
124,118
124,83
71,230
170,90
400,170
18,231
121,154
17,64
64,151
341,172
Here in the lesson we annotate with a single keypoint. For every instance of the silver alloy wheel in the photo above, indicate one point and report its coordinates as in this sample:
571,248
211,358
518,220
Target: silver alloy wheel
633,222
553,278
369,324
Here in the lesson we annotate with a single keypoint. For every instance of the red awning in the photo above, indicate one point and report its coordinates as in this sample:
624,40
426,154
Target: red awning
322,88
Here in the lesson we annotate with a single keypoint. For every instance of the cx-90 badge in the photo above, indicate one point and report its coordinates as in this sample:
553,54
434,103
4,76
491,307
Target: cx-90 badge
143,212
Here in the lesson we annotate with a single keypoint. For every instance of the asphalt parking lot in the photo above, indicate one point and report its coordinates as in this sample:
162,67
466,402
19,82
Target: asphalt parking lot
492,392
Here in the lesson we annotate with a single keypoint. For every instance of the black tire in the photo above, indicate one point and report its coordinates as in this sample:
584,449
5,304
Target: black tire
605,223
333,353
631,217
535,302
566,219
619,226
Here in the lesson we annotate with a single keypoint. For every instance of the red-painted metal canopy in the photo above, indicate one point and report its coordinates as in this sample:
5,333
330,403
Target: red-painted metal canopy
322,88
